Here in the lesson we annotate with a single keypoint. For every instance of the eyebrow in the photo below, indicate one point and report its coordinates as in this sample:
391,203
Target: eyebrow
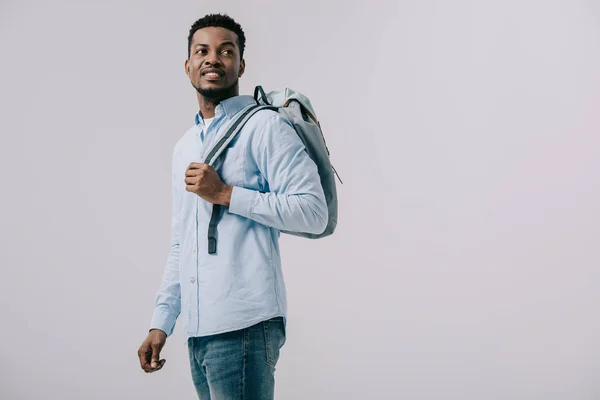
228,43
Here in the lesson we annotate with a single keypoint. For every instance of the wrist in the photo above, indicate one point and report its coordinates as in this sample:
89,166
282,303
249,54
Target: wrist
160,331
224,197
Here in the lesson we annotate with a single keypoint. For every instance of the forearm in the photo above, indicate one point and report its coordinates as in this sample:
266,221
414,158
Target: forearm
305,212
168,297
295,200
167,305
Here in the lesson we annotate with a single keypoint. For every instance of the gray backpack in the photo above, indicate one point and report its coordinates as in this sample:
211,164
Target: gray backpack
296,108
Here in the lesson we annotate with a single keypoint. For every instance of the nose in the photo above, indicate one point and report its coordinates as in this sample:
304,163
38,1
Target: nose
212,58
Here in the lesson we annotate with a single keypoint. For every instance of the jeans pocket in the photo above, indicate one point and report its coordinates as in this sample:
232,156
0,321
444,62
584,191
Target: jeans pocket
274,339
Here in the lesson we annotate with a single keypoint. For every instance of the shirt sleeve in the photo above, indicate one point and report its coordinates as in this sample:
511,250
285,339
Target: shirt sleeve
295,200
168,298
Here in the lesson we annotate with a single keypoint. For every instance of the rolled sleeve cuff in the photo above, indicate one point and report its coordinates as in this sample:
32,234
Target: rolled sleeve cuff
242,201
163,320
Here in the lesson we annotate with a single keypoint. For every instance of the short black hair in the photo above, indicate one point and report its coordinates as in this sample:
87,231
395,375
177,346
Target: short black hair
221,21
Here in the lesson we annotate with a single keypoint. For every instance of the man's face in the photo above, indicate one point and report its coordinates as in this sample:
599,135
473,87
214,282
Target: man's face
214,65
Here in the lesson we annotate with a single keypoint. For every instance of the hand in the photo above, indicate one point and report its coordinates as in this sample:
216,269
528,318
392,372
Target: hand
149,351
203,180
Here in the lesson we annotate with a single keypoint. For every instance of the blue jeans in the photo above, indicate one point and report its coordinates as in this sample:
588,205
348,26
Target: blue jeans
238,365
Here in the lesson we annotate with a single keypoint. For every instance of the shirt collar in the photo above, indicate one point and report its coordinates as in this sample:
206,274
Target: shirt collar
229,107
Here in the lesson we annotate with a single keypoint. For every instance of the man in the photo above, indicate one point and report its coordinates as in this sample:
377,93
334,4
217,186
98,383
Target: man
233,302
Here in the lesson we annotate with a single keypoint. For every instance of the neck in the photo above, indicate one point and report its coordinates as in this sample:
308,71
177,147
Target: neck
208,104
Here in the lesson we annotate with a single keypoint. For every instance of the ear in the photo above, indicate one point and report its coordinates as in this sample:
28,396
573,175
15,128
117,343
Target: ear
242,68
187,67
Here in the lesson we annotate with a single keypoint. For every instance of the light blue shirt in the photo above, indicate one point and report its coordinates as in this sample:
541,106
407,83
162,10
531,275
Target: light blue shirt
276,187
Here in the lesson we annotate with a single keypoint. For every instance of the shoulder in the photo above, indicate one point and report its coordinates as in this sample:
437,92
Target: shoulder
267,118
270,128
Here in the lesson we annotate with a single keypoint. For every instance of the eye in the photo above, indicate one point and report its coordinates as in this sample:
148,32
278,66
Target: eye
227,52
201,51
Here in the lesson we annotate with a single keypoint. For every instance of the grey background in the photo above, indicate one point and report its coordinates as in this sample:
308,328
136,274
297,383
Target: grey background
466,261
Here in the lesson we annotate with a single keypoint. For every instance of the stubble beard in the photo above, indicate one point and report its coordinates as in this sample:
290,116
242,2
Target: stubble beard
217,94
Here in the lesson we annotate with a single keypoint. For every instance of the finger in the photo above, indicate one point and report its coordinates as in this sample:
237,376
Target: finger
143,354
150,370
190,187
196,171
196,165
160,364
147,368
193,180
155,356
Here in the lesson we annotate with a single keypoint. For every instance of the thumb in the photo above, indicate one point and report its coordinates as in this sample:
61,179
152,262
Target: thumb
155,355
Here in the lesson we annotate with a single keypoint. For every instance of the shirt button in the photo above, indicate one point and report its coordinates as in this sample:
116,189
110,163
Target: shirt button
192,280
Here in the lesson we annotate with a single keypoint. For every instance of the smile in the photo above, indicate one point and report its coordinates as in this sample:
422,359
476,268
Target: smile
212,74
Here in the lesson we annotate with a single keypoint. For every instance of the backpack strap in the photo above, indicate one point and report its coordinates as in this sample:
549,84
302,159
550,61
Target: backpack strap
259,94
234,128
